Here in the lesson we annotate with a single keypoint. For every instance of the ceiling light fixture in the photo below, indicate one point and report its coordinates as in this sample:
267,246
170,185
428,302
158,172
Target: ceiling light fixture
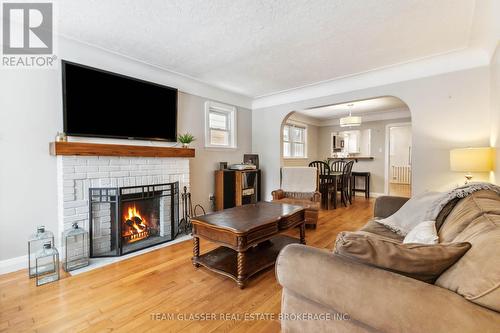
351,120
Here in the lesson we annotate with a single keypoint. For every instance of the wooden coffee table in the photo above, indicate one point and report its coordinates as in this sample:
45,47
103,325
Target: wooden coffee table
249,236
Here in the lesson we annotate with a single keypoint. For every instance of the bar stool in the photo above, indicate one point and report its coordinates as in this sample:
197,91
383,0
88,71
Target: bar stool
366,189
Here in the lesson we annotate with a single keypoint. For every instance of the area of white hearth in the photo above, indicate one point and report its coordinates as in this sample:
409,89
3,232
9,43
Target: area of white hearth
100,262
76,174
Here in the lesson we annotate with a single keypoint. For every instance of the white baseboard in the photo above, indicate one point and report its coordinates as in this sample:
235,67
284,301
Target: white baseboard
13,264
372,194
18,263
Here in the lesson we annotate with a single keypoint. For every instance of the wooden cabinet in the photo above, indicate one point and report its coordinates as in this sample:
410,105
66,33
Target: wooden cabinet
236,188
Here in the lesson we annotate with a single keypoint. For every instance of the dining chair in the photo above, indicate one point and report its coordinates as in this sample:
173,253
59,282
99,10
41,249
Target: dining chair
345,183
325,181
323,167
337,166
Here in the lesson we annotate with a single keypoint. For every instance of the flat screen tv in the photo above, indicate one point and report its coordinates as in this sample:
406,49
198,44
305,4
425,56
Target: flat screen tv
98,103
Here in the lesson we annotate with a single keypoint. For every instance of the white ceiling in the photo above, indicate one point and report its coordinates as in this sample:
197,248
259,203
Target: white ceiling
262,47
364,107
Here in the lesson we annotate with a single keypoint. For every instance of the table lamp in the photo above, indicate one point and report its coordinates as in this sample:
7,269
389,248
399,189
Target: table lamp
472,160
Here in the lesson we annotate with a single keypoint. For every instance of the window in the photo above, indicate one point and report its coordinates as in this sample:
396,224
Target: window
220,125
294,141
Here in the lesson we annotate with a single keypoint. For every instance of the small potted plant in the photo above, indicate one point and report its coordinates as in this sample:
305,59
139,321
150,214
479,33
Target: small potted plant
186,139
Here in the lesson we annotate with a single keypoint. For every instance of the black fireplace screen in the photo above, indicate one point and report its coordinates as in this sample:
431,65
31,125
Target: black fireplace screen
127,219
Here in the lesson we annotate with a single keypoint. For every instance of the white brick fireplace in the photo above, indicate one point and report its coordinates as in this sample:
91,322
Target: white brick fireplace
76,174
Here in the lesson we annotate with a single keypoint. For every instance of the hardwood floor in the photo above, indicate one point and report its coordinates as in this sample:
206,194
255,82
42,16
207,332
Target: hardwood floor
400,190
122,296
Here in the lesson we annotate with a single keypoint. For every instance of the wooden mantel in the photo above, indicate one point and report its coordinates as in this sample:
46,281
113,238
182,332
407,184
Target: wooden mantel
99,149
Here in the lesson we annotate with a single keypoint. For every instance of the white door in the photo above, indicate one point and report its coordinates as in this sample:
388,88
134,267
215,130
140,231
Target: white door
399,162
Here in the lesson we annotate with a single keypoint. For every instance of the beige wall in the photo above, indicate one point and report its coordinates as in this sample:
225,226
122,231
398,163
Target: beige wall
495,111
31,115
448,111
311,142
376,167
191,119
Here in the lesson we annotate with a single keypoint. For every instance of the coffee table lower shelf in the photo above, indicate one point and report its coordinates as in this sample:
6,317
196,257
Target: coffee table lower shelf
224,260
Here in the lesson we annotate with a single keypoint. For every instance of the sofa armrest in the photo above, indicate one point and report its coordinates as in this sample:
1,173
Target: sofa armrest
278,194
381,299
387,205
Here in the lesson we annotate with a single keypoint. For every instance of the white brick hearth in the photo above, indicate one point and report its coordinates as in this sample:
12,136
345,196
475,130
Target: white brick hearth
76,174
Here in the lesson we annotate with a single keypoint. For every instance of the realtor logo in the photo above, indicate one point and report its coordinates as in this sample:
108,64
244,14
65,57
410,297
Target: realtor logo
28,35
27,28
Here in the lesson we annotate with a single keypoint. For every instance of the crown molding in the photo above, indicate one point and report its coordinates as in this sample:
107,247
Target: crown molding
388,114
96,56
304,119
445,63
366,117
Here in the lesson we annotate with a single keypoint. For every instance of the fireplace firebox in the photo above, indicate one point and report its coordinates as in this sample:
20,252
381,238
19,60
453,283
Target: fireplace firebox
128,219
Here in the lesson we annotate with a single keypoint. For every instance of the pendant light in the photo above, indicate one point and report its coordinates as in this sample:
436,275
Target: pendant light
350,121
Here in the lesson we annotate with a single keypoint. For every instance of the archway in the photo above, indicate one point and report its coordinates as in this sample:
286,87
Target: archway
376,144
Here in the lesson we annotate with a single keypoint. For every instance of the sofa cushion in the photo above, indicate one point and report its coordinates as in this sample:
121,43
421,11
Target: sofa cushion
476,276
419,261
466,210
379,229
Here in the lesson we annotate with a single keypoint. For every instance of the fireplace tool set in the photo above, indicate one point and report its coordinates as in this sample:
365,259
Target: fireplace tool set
188,212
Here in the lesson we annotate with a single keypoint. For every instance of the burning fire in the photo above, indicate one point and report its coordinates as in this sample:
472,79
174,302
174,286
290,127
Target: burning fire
135,227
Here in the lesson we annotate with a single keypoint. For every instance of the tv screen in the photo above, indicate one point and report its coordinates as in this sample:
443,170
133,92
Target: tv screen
104,104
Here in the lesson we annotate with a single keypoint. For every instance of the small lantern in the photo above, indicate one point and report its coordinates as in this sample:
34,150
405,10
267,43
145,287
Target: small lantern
76,247
35,244
47,264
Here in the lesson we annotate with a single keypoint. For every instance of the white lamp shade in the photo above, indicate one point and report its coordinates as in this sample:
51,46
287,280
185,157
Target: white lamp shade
472,159
350,121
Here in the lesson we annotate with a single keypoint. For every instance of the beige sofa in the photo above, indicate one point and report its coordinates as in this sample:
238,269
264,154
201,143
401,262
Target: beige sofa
465,298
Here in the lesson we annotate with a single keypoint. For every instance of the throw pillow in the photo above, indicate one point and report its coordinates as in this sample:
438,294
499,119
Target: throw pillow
413,212
423,233
419,261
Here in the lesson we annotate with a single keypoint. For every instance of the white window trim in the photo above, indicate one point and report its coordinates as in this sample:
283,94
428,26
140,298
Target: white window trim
291,143
232,114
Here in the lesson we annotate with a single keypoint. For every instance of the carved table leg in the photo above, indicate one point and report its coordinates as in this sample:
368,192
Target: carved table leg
196,251
241,270
303,233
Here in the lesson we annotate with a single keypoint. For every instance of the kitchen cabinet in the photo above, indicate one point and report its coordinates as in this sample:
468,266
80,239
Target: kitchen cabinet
352,139
352,142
